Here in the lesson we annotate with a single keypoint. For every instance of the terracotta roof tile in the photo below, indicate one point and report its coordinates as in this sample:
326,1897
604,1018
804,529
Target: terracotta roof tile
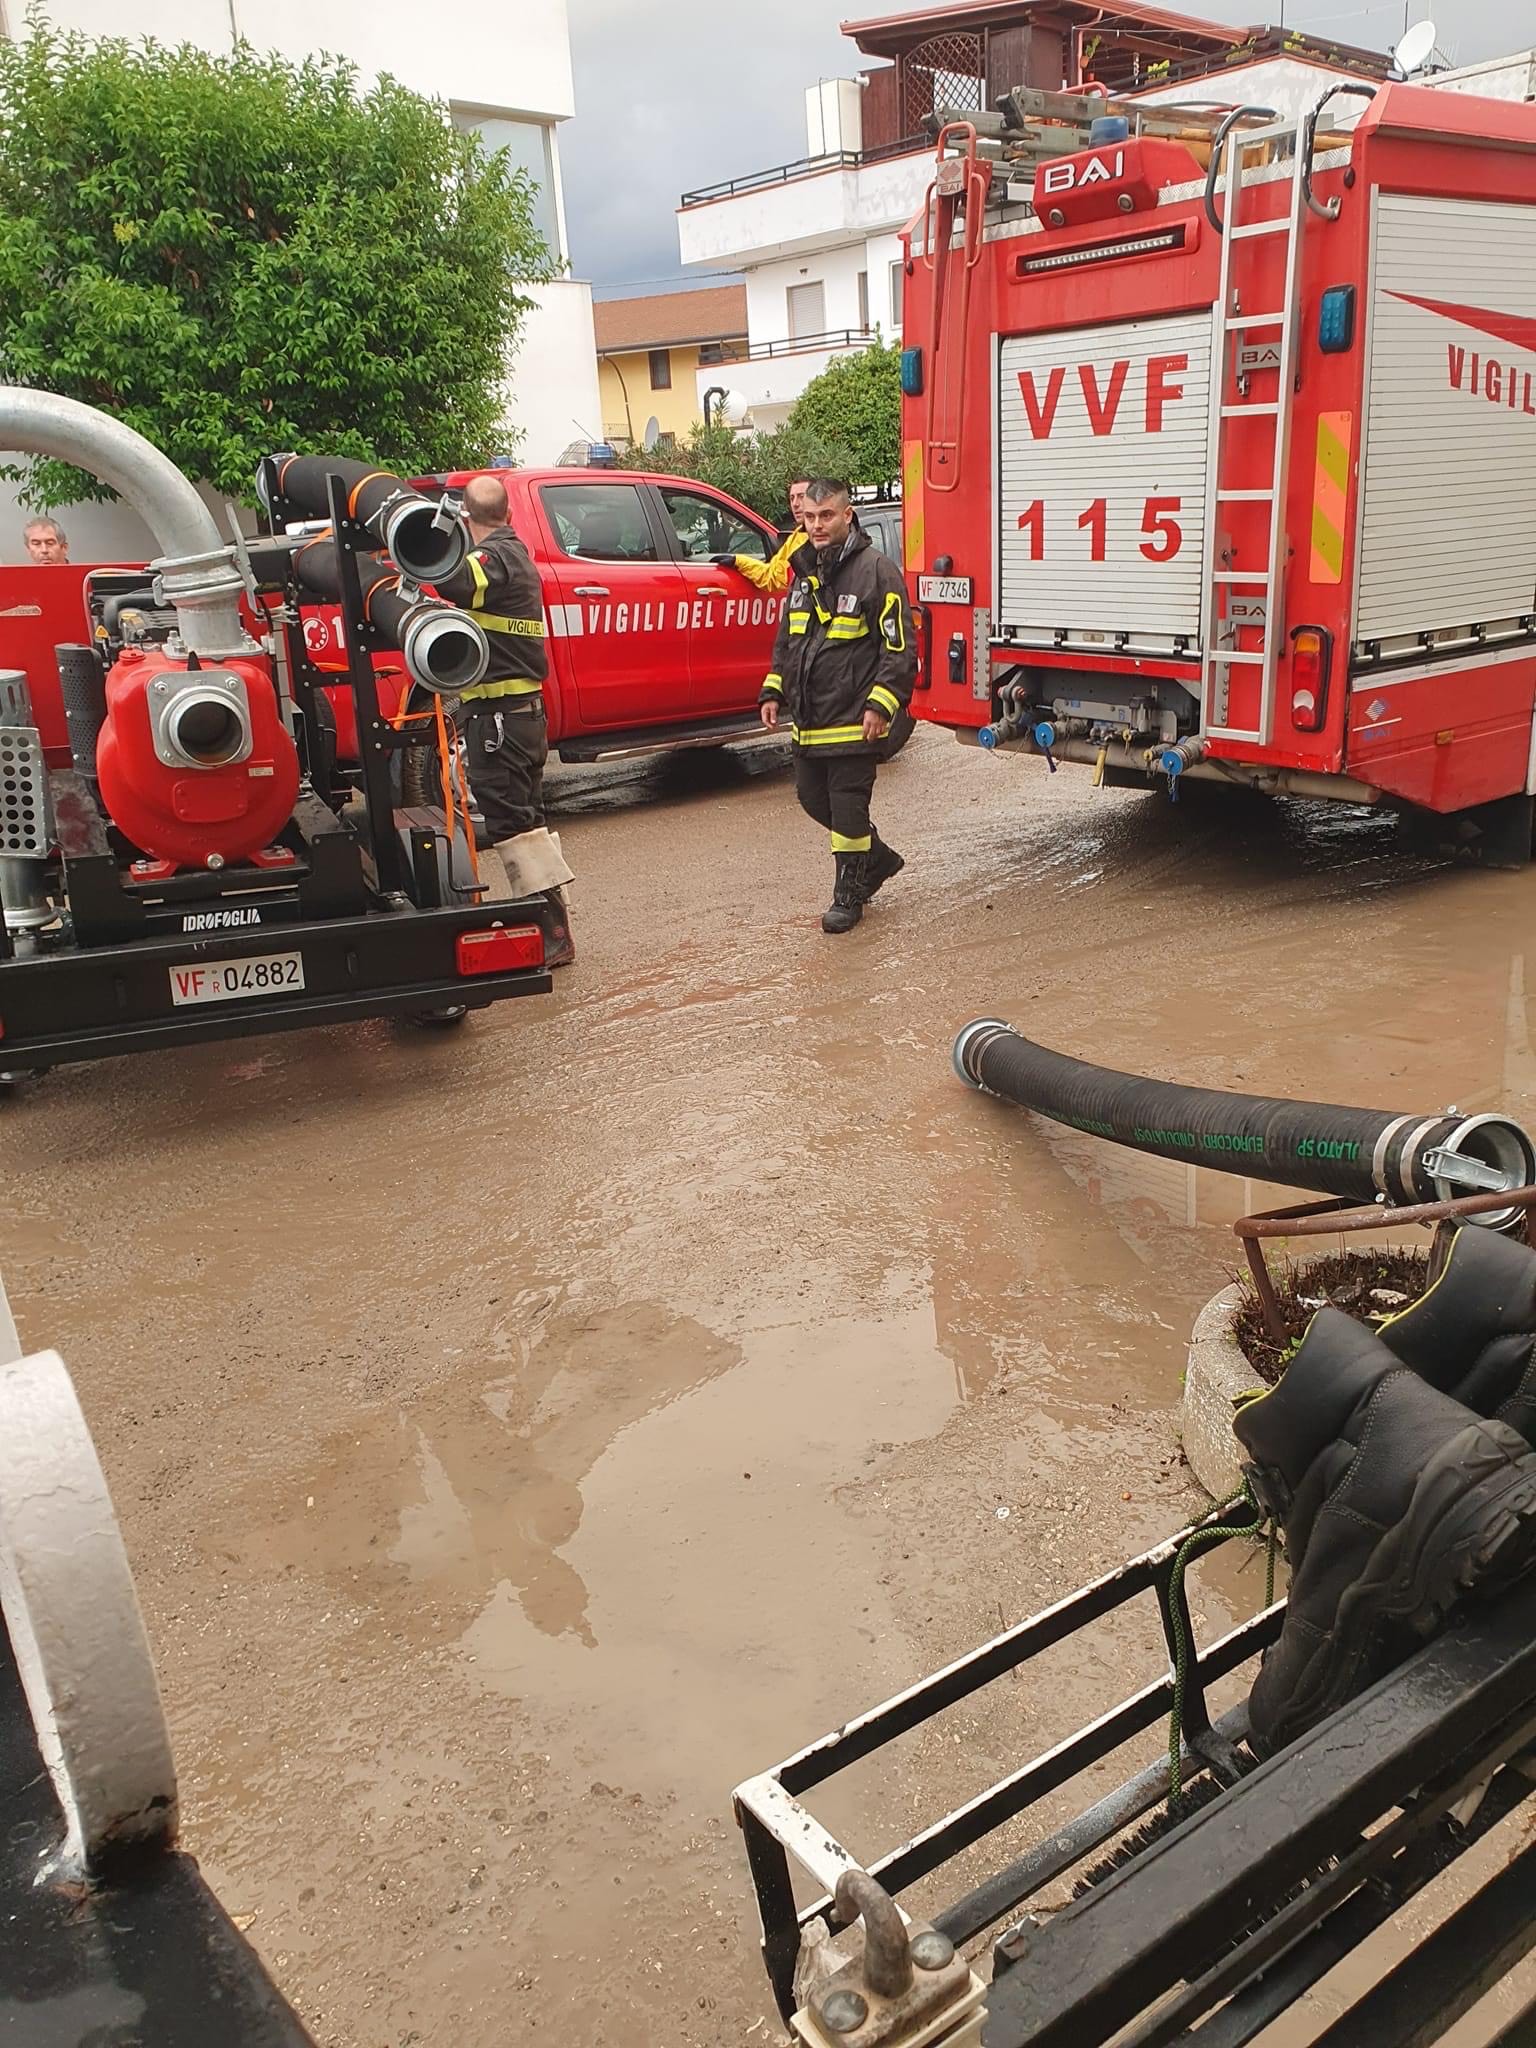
670,319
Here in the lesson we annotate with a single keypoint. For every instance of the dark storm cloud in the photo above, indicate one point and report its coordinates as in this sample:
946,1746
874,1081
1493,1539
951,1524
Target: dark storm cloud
674,94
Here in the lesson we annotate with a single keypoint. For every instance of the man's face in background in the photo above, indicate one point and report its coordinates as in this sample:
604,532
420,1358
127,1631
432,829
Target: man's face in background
47,545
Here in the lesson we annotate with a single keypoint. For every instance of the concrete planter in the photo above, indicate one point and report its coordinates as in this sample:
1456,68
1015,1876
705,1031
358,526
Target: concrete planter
1217,1377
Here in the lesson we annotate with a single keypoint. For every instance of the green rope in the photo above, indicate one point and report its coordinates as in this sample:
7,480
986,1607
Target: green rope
1188,1551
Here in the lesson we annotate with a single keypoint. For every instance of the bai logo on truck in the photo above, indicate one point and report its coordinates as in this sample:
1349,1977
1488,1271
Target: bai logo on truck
1075,173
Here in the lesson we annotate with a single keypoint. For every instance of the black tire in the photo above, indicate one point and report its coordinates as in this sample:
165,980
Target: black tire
449,1018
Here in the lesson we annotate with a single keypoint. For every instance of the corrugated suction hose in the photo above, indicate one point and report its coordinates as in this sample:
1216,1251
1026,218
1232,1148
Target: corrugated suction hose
1358,1154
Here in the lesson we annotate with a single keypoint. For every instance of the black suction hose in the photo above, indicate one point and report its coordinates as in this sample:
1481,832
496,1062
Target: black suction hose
1358,1154
445,649
378,582
425,540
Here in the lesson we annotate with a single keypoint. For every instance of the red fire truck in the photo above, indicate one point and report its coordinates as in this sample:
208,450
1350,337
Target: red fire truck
1220,444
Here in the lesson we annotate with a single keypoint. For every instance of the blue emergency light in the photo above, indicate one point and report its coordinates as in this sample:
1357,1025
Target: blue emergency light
912,372
1336,320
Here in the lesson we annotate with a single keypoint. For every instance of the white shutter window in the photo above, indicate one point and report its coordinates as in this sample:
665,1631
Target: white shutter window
1448,485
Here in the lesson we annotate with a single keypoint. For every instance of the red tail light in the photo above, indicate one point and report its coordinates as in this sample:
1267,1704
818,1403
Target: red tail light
1311,660
501,950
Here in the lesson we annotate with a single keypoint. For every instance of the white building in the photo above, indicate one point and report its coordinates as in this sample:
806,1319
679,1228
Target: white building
818,239
511,79
818,243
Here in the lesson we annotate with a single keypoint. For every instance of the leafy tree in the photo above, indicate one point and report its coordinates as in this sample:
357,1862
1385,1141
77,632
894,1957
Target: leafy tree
754,468
235,254
857,400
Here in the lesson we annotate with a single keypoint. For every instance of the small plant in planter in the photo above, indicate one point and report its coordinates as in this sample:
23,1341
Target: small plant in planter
1370,1286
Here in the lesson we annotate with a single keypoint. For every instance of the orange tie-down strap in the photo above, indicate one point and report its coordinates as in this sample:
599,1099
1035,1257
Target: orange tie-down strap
451,771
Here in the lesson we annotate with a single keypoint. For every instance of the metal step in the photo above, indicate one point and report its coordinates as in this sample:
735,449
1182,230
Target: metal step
660,739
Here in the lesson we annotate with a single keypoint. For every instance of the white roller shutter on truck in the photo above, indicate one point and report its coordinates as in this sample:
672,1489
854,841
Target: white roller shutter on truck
1448,518
1102,452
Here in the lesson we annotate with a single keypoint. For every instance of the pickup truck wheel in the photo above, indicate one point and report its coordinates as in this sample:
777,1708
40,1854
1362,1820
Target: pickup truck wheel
446,1019
903,725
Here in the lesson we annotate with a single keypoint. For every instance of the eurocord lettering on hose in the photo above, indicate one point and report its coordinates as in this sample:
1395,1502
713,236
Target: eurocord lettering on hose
1229,1141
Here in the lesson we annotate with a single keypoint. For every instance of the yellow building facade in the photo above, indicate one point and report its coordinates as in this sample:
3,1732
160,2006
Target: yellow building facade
651,353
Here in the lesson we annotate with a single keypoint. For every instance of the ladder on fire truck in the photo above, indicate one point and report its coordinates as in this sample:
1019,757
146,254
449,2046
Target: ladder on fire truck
1249,602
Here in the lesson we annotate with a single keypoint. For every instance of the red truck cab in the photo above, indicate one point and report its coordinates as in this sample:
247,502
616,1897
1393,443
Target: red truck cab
652,643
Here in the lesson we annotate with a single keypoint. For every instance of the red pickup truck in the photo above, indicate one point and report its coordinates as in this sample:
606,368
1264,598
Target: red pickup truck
651,643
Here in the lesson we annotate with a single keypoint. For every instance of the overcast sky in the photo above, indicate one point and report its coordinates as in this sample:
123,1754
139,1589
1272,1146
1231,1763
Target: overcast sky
675,94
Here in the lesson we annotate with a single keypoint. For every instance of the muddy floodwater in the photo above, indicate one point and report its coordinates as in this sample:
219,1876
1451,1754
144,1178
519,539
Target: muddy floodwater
523,1435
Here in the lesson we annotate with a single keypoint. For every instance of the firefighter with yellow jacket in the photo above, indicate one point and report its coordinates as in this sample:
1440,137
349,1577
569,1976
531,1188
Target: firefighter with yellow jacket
773,575
844,664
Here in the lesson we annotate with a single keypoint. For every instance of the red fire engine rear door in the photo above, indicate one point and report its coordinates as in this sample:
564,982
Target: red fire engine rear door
1103,435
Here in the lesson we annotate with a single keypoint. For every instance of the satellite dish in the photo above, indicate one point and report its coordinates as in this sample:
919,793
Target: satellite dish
1415,49
652,432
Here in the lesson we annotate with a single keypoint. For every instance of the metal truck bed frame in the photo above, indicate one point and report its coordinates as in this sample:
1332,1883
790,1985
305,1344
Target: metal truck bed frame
1233,1915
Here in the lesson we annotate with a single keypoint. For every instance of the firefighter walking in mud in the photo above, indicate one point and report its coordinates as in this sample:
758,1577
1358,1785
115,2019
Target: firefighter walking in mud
506,735
844,664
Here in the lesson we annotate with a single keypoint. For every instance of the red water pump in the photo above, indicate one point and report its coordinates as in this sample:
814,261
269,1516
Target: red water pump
194,761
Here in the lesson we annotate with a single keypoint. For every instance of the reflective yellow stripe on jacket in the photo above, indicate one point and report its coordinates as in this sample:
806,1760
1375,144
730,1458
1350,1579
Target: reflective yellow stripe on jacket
514,686
885,700
827,735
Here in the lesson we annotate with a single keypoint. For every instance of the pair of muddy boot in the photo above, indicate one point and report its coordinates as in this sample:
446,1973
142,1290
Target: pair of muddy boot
859,876
1399,1462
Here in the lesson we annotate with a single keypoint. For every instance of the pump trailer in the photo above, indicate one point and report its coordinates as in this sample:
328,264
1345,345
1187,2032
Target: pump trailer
205,868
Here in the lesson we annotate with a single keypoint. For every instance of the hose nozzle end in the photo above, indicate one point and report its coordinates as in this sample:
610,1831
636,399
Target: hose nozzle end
965,1039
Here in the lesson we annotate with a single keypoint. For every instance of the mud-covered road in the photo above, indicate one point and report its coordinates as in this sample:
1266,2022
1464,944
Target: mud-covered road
524,1434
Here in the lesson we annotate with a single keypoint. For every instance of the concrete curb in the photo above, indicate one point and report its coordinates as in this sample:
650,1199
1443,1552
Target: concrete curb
1217,1376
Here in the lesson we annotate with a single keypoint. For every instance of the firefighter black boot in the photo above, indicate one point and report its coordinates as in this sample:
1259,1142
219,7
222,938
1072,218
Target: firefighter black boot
1397,1503
1473,1330
850,892
885,863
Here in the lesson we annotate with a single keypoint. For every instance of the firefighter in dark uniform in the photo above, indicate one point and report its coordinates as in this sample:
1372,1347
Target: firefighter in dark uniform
505,733
843,666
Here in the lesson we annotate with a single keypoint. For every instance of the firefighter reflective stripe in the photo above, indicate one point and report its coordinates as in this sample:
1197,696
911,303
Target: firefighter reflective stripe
522,629
892,628
482,582
850,628
514,686
813,584
1329,492
827,735
799,621
775,683
841,843
885,700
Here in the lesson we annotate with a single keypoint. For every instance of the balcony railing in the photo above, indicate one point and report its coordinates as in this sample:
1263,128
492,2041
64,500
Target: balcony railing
807,166
799,344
